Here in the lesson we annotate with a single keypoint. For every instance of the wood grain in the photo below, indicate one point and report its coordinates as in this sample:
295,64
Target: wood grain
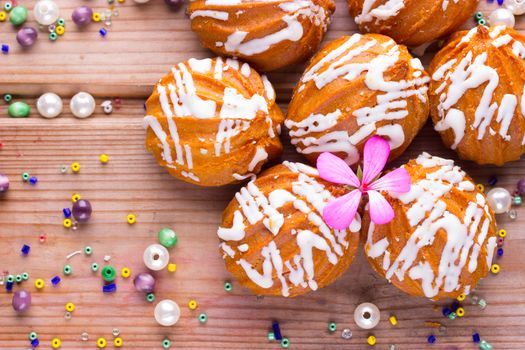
142,44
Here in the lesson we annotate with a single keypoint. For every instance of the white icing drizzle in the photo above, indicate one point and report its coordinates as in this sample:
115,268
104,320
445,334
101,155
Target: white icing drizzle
427,214
260,156
391,105
220,15
307,196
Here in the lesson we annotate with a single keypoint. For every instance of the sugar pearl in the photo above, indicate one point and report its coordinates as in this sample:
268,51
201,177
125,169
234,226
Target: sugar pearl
144,282
82,105
156,257
26,36
502,16
4,183
82,15
167,313
516,6
46,12
49,105
21,300
367,316
500,200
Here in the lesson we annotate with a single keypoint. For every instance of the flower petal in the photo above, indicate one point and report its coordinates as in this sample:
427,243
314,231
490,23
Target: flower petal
340,212
334,169
397,180
375,155
381,211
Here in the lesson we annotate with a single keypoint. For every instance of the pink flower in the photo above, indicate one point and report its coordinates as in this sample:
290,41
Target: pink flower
340,212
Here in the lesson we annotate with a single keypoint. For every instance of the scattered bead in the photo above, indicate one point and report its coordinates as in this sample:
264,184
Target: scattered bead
346,334
32,335
21,300
482,303
82,210
431,339
484,345
393,320
476,338
94,267
131,219
371,340
285,343
460,312
4,183
46,12
101,343
115,332
68,223
75,197
42,238
82,105
117,342
167,313
332,326
25,177
55,343
75,167
150,297
192,304
166,344
172,267
60,30
82,15
25,249
174,4
18,110
96,17
68,270
70,307
499,252
125,272
167,237
5,49
203,318
502,16
228,286
55,280
25,276
26,36
109,288
35,343
499,199
367,316
270,336
517,200
107,107
144,282
480,187
8,98
53,36
103,32
108,273
277,330
495,269
502,233
156,257
84,336
18,15
104,158
39,283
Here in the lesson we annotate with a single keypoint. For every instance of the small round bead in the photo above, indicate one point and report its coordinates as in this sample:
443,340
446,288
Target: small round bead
346,334
144,282
117,342
75,167
82,105
393,320
371,340
461,297
46,12
108,273
21,300
167,313
55,343
68,223
502,16
94,267
166,344
82,210
115,332
18,15
75,197
460,312
172,267
26,36
18,110
156,257
3,16
33,335
101,343
271,336
88,250
484,345
131,219
125,272
431,339
203,318
332,326
96,17
367,316
104,158
18,278
150,297
167,237
478,15
39,283
61,22
53,36
192,304
502,233
285,343
82,15
480,187
495,269
228,286
60,30
68,270
49,105
70,307
499,199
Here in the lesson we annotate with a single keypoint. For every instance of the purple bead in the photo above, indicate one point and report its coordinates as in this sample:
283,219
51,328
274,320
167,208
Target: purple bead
82,210
82,15
521,187
4,183
144,282
21,300
26,36
174,4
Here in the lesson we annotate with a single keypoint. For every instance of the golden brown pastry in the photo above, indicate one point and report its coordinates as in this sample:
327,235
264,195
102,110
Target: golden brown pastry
274,239
411,22
355,88
270,34
212,122
443,236
477,94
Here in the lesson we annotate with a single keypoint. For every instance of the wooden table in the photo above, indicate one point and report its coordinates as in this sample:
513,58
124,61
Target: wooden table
142,44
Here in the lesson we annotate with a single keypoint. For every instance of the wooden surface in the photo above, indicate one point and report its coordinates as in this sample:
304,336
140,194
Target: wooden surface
142,44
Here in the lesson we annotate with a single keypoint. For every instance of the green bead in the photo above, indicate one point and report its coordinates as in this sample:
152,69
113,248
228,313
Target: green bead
10,278
108,273
482,22
167,237
8,97
61,22
88,250
25,276
94,267
18,278
166,344
32,335
482,303
150,297
53,36
332,326
8,6
285,343
517,200
18,110
25,176
483,345
452,316
271,336
228,286
478,15
68,270
18,15
203,318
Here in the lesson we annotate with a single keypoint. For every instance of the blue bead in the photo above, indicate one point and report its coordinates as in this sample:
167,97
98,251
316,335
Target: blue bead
5,49
493,180
455,306
55,280
67,212
109,288
277,331
500,2
33,180
476,338
103,32
25,249
9,286
446,311
500,251
35,343
431,339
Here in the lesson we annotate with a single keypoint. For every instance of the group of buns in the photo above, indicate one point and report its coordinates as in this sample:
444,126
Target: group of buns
215,121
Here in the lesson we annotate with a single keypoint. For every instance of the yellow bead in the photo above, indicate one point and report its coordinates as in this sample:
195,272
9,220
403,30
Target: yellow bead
502,233
192,304
70,307
104,158
75,197
172,267
96,17
495,269
371,340
75,167
55,343
117,342
101,343
460,312
60,30
68,223
125,272
39,283
480,187
121,1
461,297
3,16
131,219
393,320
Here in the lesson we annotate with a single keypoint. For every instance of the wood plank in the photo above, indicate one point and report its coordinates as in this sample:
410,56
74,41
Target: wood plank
142,44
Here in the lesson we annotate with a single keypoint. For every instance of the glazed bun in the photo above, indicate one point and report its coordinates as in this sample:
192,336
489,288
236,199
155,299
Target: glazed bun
411,22
269,34
354,88
442,239
477,94
212,122
274,239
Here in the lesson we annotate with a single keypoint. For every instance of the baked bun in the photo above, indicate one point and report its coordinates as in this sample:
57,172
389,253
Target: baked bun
270,34
274,239
411,22
477,94
443,236
355,88
212,122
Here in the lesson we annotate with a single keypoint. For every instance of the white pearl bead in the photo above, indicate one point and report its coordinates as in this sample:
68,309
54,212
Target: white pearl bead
167,313
367,316
49,105
499,200
516,6
156,257
502,16
46,12
141,1
82,105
